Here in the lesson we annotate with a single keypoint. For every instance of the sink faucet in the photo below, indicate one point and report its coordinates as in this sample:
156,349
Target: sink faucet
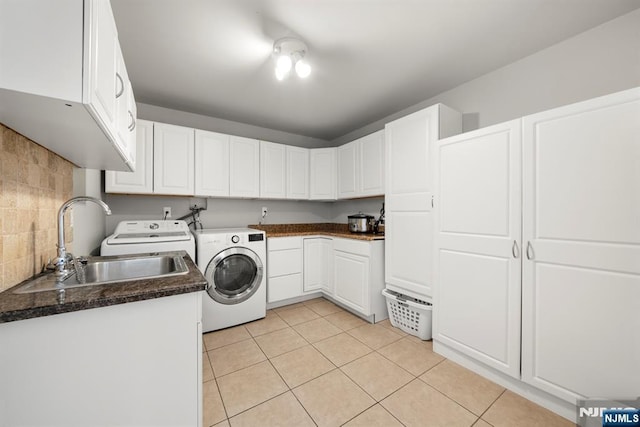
63,258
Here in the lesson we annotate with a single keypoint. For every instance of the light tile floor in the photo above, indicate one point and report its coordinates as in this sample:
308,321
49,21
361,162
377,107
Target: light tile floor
315,364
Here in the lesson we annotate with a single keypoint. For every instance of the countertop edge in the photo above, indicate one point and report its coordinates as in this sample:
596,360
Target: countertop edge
362,237
16,307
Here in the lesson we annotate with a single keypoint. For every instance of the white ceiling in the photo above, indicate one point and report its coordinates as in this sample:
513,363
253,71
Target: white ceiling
370,58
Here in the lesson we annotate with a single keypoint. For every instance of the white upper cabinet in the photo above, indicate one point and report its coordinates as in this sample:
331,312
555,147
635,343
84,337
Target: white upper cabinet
347,174
409,197
173,160
125,121
478,245
244,167
297,179
361,167
284,171
102,86
322,173
211,164
273,170
581,238
58,80
140,181
371,171
409,168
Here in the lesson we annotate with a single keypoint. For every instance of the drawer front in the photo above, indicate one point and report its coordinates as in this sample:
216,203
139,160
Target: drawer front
284,287
283,262
279,243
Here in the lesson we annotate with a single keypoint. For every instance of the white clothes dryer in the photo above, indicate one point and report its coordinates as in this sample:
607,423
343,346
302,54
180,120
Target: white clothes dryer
234,262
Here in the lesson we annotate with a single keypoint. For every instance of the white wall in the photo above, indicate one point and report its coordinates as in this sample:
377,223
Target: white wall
181,118
597,62
220,213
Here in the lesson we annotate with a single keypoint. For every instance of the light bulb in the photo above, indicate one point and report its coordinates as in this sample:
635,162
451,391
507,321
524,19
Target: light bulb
284,64
303,69
280,75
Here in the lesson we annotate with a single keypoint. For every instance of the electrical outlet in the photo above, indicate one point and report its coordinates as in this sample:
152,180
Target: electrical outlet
166,212
264,211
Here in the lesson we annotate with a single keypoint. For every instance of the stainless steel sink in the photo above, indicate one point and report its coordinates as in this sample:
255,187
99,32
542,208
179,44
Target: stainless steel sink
104,270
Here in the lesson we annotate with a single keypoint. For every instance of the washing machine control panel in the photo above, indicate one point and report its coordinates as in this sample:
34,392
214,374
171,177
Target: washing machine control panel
257,237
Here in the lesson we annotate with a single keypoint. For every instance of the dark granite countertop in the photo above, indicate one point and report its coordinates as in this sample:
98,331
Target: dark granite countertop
324,228
14,306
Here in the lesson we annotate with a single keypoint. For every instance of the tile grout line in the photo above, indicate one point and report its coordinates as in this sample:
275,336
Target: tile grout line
449,398
489,407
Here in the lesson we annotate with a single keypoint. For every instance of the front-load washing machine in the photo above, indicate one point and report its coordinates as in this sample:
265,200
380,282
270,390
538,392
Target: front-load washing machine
234,262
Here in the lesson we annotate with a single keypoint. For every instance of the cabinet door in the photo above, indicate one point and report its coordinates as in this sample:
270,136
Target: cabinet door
173,159
297,173
409,251
273,171
316,264
347,176
101,87
351,280
371,161
409,182
244,167
124,120
478,234
322,175
140,181
211,164
409,201
581,228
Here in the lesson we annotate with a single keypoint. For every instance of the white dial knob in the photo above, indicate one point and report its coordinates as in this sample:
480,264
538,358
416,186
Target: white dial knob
235,239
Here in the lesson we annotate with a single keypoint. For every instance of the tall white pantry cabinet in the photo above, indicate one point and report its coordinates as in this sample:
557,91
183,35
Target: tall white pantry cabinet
409,197
568,276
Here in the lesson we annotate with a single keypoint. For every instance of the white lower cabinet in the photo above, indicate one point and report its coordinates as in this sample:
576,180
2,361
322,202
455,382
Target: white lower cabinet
358,276
540,234
349,271
317,264
138,363
284,268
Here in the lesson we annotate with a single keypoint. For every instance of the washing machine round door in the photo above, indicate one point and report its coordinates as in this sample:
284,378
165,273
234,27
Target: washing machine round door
234,275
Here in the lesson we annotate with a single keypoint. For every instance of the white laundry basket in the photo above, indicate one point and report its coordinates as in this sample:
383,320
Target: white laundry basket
409,314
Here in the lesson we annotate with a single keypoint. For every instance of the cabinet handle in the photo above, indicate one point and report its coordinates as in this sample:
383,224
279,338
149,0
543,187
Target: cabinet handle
121,91
530,253
431,202
514,250
132,126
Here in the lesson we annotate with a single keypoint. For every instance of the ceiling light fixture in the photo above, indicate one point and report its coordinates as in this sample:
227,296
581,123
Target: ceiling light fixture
289,53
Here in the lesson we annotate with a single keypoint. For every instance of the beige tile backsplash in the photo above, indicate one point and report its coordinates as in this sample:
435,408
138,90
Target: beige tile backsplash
34,183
